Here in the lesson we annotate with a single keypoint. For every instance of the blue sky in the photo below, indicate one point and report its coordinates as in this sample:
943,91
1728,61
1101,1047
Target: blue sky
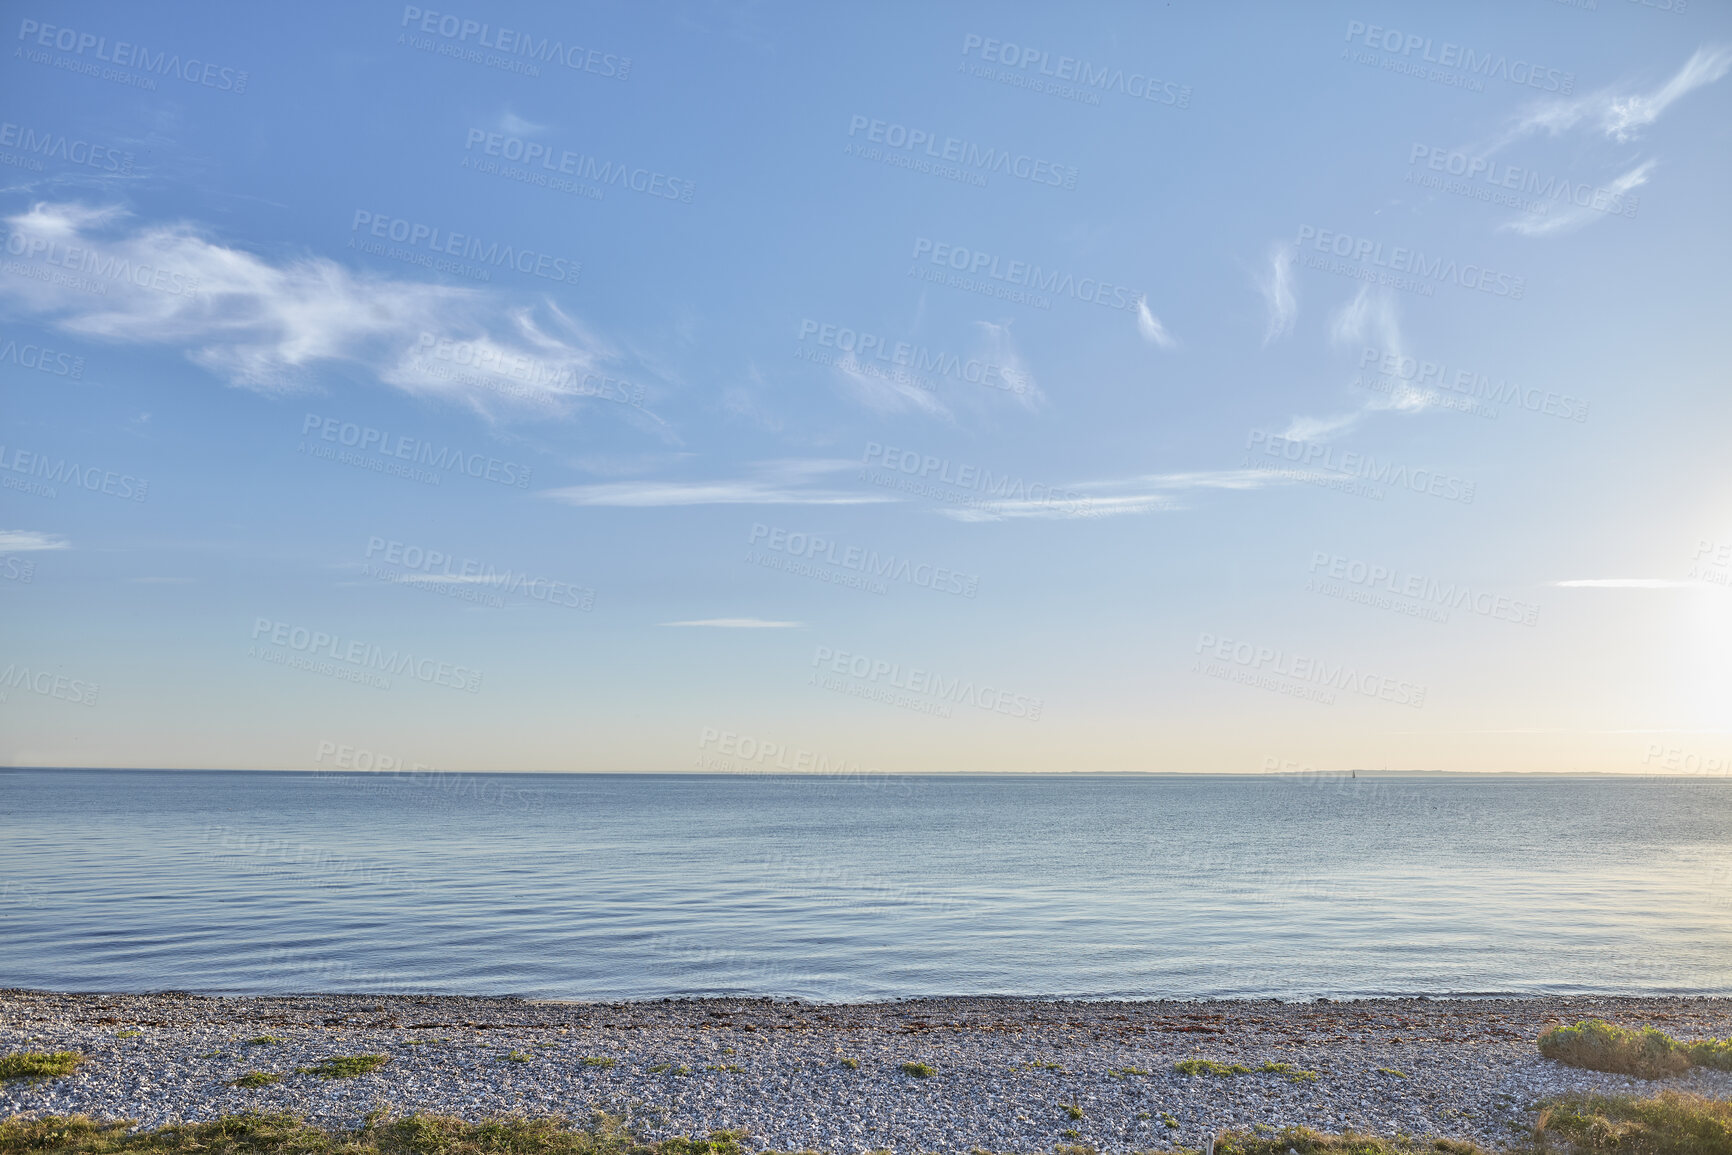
628,388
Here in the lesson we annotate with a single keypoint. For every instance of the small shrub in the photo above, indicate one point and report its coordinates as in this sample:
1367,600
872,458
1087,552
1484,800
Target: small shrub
517,1057
346,1066
918,1070
39,1064
129,1034
602,1061
1071,1109
1392,1071
1670,1123
851,1064
1596,1045
256,1079
264,1041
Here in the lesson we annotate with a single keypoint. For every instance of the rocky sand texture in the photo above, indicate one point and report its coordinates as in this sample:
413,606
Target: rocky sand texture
1007,1074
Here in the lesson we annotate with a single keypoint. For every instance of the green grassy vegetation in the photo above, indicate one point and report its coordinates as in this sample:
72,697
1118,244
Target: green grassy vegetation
1071,1109
851,1064
517,1057
346,1066
129,1034
1123,1072
39,1064
1392,1071
1670,1123
256,1079
268,1134
1292,1073
1649,1053
728,1068
602,1061
670,1069
264,1041
1039,1066
918,1070
1667,1124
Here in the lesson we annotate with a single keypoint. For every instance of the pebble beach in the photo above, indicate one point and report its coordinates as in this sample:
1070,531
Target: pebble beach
1006,1074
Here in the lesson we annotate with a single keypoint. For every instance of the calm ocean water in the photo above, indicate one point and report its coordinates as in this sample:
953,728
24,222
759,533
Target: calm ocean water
634,887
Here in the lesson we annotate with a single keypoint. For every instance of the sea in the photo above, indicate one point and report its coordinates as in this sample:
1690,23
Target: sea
865,887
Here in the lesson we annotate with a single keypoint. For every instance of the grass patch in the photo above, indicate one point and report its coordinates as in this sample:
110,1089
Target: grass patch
602,1061
670,1069
1167,1118
39,1064
1123,1072
517,1057
264,1041
1292,1073
256,1079
1039,1066
346,1066
1649,1053
282,1134
129,1034
1305,1141
1391,1071
1071,1109
918,1070
851,1064
1670,1123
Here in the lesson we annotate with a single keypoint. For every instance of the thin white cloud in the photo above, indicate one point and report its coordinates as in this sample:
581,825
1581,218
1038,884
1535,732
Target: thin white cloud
1575,216
1276,285
1620,116
27,540
775,483
268,325
886,389
1118,497
1633,584
1015,377
739,624
1151,328
514,125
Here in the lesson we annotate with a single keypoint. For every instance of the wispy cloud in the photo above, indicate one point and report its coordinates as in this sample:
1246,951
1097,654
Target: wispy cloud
774,483
27,540
269,325
1575,216
1370,319
1276,285
739,624
1116,497
1151,328
1616,114
1633,584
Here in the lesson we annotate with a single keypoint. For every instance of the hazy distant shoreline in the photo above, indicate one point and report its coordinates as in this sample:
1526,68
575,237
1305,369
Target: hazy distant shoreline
1004,1070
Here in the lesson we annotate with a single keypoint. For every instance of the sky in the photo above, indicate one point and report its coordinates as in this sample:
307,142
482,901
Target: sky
832,389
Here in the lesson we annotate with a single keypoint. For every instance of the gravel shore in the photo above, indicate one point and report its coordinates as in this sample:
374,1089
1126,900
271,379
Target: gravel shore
1006,1071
